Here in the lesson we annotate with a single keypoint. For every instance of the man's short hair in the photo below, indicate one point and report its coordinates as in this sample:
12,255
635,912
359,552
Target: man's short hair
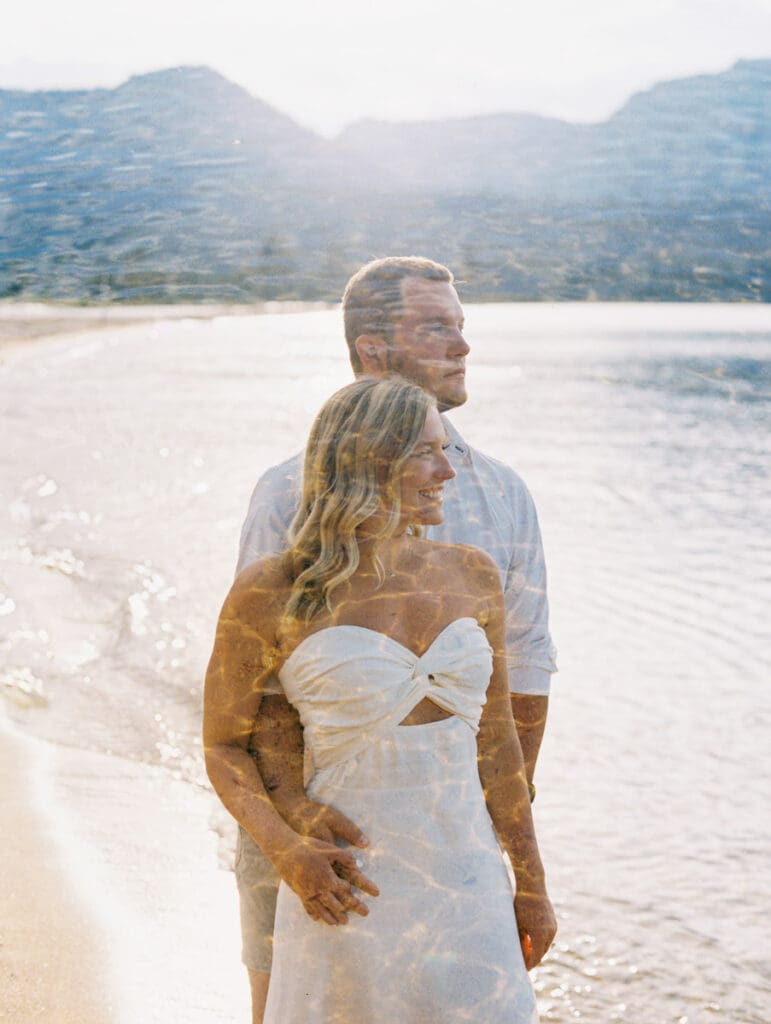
372,301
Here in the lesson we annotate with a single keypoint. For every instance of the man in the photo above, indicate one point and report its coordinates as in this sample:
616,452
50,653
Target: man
403,315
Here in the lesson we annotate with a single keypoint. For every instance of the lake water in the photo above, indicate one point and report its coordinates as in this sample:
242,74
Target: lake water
642,432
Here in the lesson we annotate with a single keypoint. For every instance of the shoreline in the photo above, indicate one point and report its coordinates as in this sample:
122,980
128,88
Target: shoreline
117,907
51,956
25,322
22,322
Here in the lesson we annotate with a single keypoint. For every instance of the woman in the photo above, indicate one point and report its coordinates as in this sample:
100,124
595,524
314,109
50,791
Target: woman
391,648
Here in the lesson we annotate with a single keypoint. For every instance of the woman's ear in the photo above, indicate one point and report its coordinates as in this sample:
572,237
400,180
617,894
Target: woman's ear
372,351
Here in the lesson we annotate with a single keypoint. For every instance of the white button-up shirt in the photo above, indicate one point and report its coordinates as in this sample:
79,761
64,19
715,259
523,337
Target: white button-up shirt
487,505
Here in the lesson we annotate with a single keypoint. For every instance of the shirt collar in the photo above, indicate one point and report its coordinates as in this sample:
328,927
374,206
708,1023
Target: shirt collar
457,445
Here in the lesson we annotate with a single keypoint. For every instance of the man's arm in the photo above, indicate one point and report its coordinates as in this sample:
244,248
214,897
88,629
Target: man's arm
529,650
276,744
530,719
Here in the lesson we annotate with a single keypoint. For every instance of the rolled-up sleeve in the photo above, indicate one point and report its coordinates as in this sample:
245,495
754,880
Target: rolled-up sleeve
530,653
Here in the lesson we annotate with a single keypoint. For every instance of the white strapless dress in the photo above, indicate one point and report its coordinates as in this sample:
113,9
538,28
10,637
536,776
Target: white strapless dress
440,944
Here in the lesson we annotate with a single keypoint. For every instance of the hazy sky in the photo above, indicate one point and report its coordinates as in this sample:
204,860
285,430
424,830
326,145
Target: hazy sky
329,63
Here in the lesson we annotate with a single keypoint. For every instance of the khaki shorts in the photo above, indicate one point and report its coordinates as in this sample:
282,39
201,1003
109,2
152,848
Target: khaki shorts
257,887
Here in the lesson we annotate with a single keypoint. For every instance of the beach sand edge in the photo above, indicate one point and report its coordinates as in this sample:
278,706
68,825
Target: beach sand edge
120,907
22,323
52,964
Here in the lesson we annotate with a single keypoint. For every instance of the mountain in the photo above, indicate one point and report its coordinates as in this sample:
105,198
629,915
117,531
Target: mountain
667,143
179,185
159,188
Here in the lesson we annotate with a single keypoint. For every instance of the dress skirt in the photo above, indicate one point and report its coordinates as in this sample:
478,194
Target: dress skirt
440,944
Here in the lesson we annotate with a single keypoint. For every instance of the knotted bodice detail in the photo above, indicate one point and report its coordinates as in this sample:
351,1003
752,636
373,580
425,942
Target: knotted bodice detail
351,684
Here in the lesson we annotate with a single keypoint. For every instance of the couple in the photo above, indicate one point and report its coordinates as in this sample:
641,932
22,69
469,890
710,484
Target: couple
393,650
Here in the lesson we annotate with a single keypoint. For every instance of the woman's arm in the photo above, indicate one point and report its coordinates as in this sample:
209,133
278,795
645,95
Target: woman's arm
502,772
243,657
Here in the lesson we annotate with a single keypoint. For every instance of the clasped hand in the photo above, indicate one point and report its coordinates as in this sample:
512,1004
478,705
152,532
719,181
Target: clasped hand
321,873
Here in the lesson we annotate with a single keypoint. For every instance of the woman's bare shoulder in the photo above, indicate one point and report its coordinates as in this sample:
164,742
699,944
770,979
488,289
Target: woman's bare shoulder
464,558
272,567
262,586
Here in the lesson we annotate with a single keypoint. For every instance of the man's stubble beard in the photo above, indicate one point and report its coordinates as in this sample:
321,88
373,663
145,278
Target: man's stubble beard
442,404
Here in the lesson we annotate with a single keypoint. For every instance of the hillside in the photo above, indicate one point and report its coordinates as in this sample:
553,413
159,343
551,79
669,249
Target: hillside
178,185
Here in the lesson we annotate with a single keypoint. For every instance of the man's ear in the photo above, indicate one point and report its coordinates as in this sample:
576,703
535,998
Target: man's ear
372,350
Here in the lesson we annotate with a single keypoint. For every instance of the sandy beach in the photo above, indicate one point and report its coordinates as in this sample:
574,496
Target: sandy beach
52,963
116,905
23,322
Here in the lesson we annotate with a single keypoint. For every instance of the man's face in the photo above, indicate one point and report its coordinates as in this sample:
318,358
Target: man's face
427,345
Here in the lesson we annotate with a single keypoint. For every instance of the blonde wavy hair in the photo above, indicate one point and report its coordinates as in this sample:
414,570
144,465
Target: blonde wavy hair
358,446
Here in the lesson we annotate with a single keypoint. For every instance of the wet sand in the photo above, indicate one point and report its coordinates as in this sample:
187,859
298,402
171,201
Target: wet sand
52,963
22,322
117,908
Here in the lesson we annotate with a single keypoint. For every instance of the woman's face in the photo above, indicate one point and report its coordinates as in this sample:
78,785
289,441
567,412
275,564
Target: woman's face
424,475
